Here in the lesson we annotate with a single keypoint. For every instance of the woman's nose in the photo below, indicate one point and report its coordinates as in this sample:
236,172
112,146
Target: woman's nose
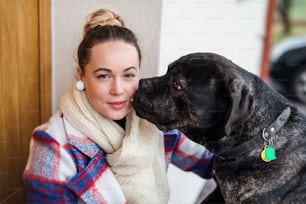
117,87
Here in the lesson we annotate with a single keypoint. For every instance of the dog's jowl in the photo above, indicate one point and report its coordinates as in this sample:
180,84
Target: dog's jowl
258,137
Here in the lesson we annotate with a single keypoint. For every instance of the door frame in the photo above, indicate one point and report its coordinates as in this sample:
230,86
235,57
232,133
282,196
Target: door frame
45,59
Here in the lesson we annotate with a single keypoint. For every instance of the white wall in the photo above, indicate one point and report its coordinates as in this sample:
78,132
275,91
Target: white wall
166,29
233,28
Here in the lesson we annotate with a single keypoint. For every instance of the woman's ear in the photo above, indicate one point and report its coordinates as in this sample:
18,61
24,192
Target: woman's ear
79,74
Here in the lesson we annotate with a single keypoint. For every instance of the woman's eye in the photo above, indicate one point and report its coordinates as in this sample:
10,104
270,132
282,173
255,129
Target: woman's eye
103,76
129,76
176,85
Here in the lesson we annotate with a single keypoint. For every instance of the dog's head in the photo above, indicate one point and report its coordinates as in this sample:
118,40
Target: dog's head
201,93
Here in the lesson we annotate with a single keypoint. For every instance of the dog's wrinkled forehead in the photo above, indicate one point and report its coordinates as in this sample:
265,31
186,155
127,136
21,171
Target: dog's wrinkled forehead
187,60
205,67
208,64
193,62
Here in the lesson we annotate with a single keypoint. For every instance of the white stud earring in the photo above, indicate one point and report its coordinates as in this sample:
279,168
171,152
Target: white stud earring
79,85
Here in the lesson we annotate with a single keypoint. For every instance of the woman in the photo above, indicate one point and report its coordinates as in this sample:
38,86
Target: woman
96,149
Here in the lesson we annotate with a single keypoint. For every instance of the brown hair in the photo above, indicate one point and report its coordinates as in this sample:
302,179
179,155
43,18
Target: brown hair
102,26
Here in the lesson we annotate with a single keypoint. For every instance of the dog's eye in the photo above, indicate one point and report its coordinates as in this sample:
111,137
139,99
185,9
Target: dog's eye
176,85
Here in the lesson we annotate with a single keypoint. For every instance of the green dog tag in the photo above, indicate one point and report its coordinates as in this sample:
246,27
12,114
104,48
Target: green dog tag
270,154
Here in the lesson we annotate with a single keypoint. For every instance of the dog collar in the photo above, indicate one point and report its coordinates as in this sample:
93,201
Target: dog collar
267,134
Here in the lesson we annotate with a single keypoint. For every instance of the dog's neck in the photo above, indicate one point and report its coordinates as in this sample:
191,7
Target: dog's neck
265,136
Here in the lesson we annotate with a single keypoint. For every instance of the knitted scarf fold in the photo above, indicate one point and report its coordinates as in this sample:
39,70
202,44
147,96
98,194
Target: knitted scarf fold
136,156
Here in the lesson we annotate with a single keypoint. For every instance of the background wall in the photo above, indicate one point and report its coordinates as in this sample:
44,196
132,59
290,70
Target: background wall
166,29
233,28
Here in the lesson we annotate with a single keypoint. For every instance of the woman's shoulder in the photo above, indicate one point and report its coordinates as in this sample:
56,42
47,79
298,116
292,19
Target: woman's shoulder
55,119
59,131
53,129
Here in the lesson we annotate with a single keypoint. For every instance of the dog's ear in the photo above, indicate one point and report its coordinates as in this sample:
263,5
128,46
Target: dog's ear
243,103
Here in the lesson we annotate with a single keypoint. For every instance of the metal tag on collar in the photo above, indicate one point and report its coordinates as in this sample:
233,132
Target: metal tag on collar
268,153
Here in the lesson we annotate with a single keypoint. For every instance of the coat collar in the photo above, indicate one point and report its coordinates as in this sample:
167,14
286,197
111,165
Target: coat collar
79,140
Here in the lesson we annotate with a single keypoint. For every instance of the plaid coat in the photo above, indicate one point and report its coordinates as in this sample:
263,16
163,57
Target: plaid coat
64,166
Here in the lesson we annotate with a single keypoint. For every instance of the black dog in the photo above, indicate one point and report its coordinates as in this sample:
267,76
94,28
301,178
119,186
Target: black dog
259,139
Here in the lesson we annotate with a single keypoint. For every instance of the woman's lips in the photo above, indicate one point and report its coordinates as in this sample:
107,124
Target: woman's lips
117,105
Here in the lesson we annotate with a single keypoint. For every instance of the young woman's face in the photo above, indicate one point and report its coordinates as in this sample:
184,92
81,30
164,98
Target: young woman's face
111,78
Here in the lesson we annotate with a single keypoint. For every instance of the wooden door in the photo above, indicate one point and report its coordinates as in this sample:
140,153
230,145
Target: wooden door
24,86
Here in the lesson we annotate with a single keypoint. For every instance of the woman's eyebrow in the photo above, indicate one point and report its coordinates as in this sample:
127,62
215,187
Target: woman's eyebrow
109,70
129,68
103,69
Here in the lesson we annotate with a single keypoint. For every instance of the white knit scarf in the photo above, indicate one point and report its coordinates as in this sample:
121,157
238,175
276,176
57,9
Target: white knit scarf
136,156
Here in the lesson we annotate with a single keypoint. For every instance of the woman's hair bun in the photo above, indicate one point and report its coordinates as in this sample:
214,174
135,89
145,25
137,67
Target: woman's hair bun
103,17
